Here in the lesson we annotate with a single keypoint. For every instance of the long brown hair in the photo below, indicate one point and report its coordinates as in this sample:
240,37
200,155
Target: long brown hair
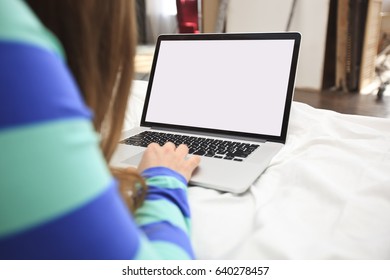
99,38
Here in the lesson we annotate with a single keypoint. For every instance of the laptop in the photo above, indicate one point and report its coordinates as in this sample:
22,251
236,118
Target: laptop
226,96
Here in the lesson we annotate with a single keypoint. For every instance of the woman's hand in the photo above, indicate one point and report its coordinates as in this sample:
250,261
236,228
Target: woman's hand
171,157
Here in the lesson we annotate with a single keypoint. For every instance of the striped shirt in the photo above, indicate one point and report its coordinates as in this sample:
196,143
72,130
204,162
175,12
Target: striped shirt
57,197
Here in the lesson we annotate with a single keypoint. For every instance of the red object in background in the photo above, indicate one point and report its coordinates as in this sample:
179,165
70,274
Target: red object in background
187,16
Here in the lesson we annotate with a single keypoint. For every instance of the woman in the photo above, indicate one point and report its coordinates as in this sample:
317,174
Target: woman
58,199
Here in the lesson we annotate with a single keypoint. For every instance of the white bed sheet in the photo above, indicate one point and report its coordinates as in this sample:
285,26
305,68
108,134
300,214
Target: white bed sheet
326,195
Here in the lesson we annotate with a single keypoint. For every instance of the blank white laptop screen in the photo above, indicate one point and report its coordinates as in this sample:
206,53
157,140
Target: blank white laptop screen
232,85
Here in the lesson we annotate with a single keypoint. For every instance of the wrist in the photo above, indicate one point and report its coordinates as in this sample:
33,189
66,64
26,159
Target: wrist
163,171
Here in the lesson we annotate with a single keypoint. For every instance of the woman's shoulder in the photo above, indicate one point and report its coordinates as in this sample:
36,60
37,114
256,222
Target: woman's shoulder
19,24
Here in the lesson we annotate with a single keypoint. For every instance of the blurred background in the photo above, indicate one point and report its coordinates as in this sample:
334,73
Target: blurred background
343,63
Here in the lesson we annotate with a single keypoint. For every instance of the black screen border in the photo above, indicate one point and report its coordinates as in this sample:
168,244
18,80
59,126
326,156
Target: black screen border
229,36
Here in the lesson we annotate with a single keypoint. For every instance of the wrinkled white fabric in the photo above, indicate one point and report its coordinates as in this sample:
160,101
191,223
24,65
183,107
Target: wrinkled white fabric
326,195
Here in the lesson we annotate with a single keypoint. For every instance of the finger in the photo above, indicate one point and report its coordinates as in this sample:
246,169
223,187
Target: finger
182,150
153,146
193,162
169,146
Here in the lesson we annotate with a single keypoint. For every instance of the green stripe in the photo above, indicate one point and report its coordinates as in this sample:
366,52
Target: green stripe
47,170
160,250
153,211
19,23
166,182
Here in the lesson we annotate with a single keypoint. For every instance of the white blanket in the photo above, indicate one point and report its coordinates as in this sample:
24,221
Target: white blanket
326,195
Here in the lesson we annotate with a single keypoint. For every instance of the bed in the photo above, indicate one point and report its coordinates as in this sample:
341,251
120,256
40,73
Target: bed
326,195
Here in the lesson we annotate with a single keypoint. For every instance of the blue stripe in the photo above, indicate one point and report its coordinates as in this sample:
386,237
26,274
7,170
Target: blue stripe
176,196
36,86
101,229
164,231
163,171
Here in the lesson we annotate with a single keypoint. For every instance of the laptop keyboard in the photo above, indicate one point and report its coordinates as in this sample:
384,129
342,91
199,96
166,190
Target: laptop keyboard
208,147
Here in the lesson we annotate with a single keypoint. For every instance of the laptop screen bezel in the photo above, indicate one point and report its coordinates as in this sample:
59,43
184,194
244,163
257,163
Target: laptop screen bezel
229,36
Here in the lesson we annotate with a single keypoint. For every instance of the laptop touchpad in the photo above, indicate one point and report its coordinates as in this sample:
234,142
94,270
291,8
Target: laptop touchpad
134,160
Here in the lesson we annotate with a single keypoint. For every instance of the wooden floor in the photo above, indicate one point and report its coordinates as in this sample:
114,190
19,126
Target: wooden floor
347,103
